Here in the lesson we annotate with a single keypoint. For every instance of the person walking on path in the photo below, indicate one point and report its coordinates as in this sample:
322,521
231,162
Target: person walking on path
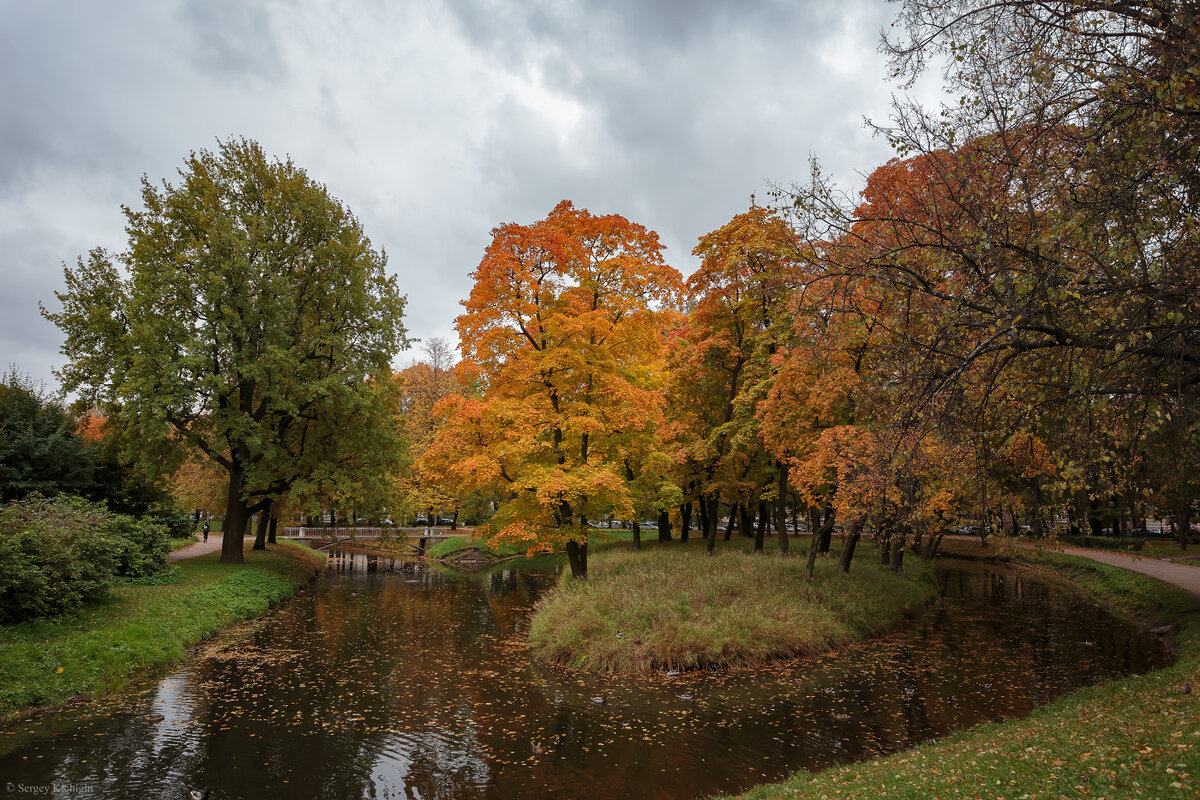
197,549
205,529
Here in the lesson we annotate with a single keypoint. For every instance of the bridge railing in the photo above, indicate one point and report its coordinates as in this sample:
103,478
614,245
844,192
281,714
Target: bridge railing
365,532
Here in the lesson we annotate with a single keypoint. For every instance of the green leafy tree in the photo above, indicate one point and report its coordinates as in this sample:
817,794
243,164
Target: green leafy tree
248,319
40,450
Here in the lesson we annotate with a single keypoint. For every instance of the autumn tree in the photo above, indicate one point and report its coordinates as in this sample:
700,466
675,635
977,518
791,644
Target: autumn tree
247,320
422,385
1042,229
740,313
199,484
560,326
822,396
1090,111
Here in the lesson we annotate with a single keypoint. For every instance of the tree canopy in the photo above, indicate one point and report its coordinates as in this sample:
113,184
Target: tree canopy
41,450
562,327
250,319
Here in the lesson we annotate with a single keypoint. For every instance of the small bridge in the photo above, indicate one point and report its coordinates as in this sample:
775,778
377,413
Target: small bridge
321,537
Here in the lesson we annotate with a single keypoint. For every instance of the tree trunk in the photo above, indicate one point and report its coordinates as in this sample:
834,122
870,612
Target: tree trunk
234,525
664,526
1095,524
260,536
819,542
271,530
746,524
710,534
703,518
795,519
760,535
732,522
454,521
1183,520
824,534
827,528
885,544
849,545
898,554
1035,521
637,535
931,547
814,545
781,510
1078,514
577,556
685,519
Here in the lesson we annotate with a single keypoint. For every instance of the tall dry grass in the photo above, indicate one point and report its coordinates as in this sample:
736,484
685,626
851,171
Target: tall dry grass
672,607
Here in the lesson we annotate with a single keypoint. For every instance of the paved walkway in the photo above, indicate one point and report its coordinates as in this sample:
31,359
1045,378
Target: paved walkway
1181,575
198,549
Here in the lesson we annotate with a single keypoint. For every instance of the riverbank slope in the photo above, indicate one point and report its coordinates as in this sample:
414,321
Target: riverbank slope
673,607
1132,738
137,629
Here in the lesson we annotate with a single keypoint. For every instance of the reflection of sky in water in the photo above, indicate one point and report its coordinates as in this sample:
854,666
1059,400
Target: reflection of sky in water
389,679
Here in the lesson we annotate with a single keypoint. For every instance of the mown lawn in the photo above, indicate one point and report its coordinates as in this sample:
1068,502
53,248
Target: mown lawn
142,628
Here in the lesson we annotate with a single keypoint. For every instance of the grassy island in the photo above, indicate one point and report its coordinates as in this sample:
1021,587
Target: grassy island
673,607
1132,738
141,628
463,549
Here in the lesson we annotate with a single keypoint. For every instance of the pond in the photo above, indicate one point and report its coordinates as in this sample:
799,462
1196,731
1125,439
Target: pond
392,679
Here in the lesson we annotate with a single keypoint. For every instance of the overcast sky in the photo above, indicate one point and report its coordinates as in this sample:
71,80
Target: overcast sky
433,121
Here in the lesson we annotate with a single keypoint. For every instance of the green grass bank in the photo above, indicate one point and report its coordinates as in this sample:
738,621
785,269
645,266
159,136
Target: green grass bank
1138,737
143,628
673,607
461,547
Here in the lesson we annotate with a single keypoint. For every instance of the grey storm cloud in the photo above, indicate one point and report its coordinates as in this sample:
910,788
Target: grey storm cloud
434,122
232,40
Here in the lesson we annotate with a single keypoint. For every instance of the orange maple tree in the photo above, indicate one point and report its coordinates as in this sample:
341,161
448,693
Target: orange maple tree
722,355
561,327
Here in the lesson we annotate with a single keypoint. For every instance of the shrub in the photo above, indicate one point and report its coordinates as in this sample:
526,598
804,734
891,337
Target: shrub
179,523
140,546
54,556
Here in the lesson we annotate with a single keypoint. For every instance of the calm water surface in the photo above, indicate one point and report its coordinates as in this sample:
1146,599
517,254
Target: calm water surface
390,679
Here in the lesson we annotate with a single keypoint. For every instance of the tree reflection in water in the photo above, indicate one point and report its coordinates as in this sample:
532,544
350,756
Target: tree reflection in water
391,678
